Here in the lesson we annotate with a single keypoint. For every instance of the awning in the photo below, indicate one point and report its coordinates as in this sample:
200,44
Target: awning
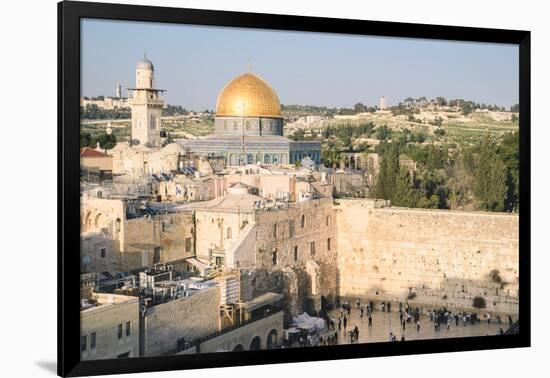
198,264
262,300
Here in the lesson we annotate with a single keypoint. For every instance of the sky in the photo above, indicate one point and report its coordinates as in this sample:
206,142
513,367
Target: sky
193,63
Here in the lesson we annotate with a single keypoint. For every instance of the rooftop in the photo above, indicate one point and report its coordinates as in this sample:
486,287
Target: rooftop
91,153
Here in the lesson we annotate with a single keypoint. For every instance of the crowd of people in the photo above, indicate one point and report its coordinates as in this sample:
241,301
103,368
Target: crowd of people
408,316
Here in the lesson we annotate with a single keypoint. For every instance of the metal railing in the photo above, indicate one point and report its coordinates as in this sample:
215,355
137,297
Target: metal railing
197,342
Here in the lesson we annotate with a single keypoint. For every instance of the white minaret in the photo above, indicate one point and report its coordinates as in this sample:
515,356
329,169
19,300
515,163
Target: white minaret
118,91
146,103
382,103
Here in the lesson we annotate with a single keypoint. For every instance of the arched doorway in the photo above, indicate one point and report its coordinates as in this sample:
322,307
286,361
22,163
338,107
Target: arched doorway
238,348
88,221
98,222
272,339
256,343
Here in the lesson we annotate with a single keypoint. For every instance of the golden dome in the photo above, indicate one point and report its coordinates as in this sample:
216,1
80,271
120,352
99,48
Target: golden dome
248,95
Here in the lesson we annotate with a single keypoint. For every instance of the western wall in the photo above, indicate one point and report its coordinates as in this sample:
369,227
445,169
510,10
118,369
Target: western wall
428,258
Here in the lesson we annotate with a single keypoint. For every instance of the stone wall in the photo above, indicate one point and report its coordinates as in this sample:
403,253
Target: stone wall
244,335
189,318
432,258
280,232
104,320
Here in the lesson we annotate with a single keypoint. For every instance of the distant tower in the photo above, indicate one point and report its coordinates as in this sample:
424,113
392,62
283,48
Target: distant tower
118,91
146,103
382,103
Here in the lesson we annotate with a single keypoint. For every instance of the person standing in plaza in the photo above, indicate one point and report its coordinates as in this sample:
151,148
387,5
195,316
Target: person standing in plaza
418,325
370,320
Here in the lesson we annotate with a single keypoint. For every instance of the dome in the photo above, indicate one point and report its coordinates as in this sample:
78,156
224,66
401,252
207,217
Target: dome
248,95
173,148
145,64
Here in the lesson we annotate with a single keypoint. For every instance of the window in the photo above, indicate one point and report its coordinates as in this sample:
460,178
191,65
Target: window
275,230
84,341
328,220
156,255
274,257
303,221
312,248
92,340
229,233
117,225
128,328
187,244
119,331
295,253
103,252
328,244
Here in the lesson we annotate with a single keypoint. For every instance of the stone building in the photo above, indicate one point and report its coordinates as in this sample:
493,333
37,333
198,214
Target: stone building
109,326
144,154
146,103
249,127
117,235
169,325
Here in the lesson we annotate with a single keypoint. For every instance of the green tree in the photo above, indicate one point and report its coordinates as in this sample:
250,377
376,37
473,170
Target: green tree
389,169
404,193
106,141
85,140
360,108
490,178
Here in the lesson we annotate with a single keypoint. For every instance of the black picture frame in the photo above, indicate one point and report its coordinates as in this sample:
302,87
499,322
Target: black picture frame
69,15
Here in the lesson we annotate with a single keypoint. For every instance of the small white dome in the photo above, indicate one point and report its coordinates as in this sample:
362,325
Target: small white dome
173,148
145,64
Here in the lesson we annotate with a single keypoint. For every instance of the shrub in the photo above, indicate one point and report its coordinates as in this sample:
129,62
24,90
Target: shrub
411,296
444,297
495,276
479,302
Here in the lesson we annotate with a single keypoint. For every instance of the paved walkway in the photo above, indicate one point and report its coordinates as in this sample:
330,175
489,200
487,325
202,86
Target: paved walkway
384,323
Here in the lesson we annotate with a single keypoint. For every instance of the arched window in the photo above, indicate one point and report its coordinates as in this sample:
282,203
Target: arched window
303,221
328,220
275,230
229,233
117,225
